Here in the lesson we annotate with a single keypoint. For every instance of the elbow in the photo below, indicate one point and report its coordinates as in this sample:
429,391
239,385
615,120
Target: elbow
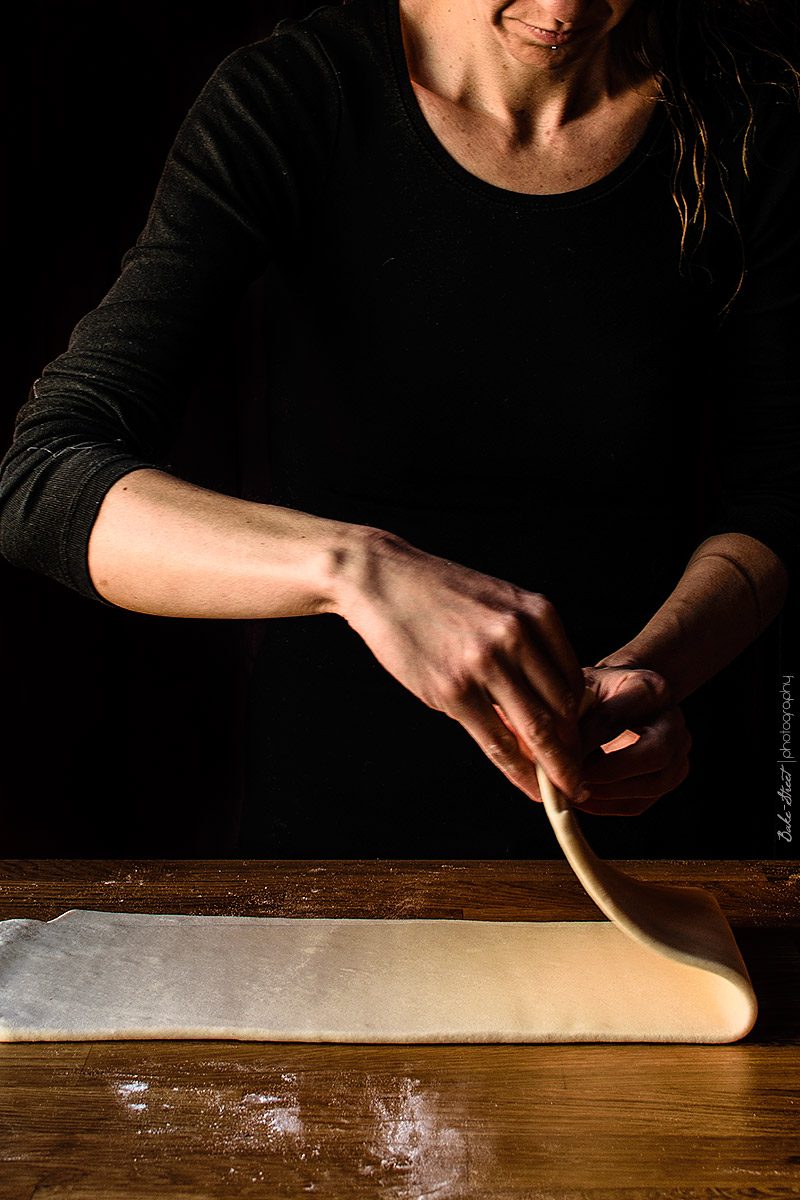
760,572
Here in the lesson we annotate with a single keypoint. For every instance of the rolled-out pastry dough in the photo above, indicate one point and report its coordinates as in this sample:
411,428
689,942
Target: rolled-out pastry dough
664,968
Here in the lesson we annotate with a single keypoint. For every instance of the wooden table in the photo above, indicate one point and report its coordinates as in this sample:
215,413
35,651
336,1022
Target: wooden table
202,1120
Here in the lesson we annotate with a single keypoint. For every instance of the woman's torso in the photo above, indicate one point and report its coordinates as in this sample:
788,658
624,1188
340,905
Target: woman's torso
515,381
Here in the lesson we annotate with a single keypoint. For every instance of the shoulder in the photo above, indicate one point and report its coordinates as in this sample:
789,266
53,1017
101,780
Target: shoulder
293,86
271,110
316,52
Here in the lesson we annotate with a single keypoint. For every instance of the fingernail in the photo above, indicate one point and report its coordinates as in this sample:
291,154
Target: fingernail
582,794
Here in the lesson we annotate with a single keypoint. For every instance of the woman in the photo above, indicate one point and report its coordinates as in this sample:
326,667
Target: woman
508,333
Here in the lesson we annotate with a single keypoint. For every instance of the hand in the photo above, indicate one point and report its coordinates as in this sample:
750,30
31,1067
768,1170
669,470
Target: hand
646,742
492,656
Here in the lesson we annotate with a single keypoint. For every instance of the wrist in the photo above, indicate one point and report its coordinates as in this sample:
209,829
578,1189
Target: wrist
356,566
302,564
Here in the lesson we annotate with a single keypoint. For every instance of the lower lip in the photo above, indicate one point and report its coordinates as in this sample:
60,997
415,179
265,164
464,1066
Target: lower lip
548,37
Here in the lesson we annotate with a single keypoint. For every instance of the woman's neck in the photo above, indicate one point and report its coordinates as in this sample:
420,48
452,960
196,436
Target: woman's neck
532,126
481,60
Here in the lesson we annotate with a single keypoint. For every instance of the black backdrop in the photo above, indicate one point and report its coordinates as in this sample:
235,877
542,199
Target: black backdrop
119,730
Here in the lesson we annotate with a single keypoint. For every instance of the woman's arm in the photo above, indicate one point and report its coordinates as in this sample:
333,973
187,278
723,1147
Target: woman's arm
164,546
83,499
731,590
255,145
734,585
463,642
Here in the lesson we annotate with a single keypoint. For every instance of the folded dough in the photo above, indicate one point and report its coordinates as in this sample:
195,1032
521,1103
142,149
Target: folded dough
664,968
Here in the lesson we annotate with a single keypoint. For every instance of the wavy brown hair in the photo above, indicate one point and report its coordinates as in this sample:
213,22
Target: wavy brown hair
711,52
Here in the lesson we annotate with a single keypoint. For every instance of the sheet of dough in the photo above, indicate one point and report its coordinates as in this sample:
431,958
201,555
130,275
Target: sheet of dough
663,968
91,975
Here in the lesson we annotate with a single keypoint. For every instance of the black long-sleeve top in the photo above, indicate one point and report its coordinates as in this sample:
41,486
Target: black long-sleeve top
532,385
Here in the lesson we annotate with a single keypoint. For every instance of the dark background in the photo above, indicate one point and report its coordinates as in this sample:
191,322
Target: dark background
120,731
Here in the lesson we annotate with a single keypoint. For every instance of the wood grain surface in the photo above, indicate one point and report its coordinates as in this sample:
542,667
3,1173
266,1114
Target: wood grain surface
196,1120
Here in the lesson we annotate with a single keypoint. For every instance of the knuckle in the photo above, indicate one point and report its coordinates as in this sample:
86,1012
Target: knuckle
507,630
499,639
501,751
539,607
452,692
479,657
540,729
657,687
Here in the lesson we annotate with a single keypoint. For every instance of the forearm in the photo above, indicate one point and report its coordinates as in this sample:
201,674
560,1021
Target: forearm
163,546
464,643
732,589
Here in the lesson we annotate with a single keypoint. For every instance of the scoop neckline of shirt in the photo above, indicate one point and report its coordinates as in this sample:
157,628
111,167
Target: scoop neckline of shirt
431,143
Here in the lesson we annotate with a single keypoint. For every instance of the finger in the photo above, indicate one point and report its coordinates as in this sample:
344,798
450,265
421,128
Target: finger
586,703
642,787
499,743
629,796
549,662
641,697
514,666
662,746
537,731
